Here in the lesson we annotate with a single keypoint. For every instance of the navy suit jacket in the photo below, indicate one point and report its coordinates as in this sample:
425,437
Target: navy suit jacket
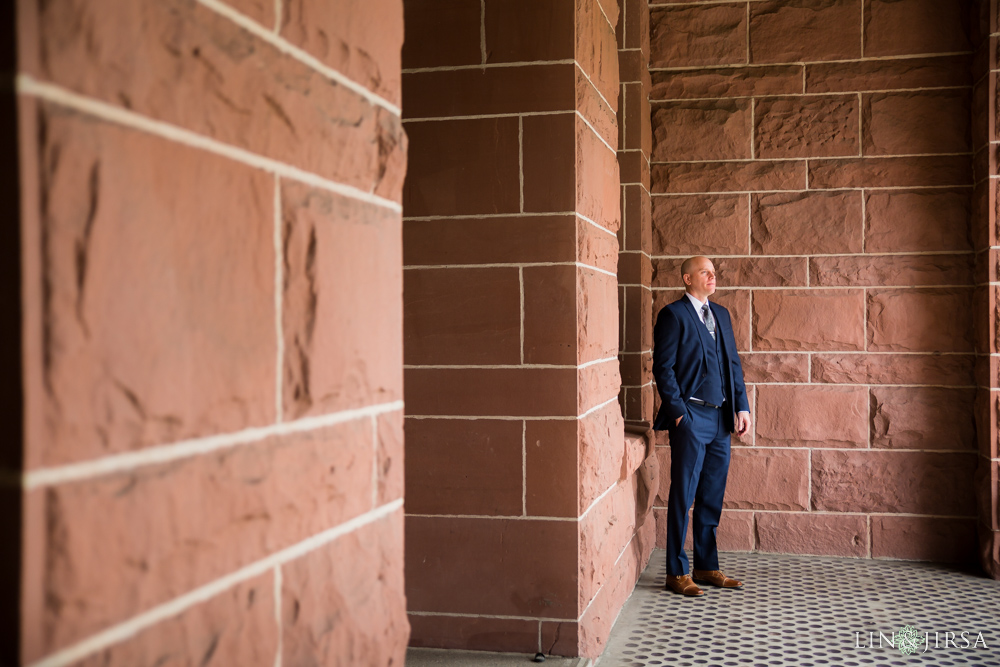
680,362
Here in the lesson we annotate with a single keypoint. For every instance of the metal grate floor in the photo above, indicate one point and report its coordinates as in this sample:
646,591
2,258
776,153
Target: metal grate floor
811,611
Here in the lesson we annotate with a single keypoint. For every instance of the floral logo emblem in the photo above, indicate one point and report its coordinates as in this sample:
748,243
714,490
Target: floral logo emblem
908,639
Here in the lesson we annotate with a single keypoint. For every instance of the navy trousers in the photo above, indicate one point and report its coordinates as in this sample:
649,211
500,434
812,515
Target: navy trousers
699,464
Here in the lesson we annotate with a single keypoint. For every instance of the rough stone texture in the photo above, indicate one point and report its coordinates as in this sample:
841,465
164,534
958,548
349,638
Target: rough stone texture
728,176
463,466
922,418
737,302
808,320
598,468
474,634
920,320
461,167
334,362
701,130
492,566
739,271
935,220
637,316
908,172
924,538
768,479
810,533
728,82
896,482
684,225
425,25
180,62
343,603
158,314
521,31
597,179
236,627
490,241
955,370
907,27
389,457
603,534
462,316
595,49
916,122
597,384
491,391
698,35
769,367
804,30
864,75
805,126
551,448
786,222
361,40
892,270
550,314
812,416
637,223
123,543
597,316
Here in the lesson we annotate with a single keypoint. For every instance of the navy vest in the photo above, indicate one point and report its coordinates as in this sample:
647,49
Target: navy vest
713,389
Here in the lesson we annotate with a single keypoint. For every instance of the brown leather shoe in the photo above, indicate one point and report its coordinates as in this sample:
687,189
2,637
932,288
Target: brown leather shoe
682,584
716,578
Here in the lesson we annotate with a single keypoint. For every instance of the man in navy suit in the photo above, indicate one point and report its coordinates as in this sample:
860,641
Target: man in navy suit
703,399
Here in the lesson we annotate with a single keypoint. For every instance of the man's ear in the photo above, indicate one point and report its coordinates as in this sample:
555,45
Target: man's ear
687,279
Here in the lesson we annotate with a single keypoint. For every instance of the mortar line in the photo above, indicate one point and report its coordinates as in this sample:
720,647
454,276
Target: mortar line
26,85
831,158
864,314
592,85
581,366
279,284
486,116
492,517
277,613
482,31
520,157
452,614
524,468
278,10
808,190
459,68
809,496
862,29
166,453
907,56
661,101
864,219
520,282
904,253
127,629
593,129
861,126
753,126
748,32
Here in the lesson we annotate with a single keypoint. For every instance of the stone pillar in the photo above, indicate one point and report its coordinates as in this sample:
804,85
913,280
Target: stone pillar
985,113
211,213
820,152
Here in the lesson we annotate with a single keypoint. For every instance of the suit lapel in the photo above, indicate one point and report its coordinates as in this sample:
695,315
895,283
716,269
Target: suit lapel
699,325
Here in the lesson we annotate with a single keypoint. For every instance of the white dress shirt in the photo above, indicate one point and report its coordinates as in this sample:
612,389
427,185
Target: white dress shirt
698,305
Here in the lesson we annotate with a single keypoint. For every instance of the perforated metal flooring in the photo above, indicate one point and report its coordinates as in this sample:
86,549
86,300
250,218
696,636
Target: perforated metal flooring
811,611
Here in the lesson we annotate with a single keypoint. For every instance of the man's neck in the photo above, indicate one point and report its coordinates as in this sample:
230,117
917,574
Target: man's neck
699,299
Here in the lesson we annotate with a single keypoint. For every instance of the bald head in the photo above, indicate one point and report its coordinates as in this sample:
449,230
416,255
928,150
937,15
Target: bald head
698,274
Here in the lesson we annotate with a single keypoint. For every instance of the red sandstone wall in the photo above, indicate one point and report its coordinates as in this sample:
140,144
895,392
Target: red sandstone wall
520,495
820,151
212,348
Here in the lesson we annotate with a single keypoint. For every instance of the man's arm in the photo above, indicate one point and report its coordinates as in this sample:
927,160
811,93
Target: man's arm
666,339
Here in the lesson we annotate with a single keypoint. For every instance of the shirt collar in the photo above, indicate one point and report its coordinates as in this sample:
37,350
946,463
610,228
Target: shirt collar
698,305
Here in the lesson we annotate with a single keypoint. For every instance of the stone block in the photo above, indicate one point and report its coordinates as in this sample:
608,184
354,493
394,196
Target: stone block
521,567
550,314
502,240
768,479
158,313
685,36
897,73
633,166
806,126
636,231
728,176
471,633
701,130
906,123
343,604
924,538
389,457
595,51
342,347
524,30
812,416
132,541
637,317
727,82
592,107
771,367
493,90
460,167
634,269
737,302
685,225
883,368
890,172
551,465
235,627
890,270
464,466
604,533
787,223
922,418
601,455
784,31
598,183
549,163
920,320
898,482
426,26
638,130
184,64
462,316
537,392
738,271
917,220
596,321
910,27
808,320
814,534
597,384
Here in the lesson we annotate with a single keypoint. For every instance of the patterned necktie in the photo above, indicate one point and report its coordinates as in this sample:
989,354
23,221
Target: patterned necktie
709,320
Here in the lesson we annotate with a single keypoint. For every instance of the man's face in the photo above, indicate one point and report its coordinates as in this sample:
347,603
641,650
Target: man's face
701,281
